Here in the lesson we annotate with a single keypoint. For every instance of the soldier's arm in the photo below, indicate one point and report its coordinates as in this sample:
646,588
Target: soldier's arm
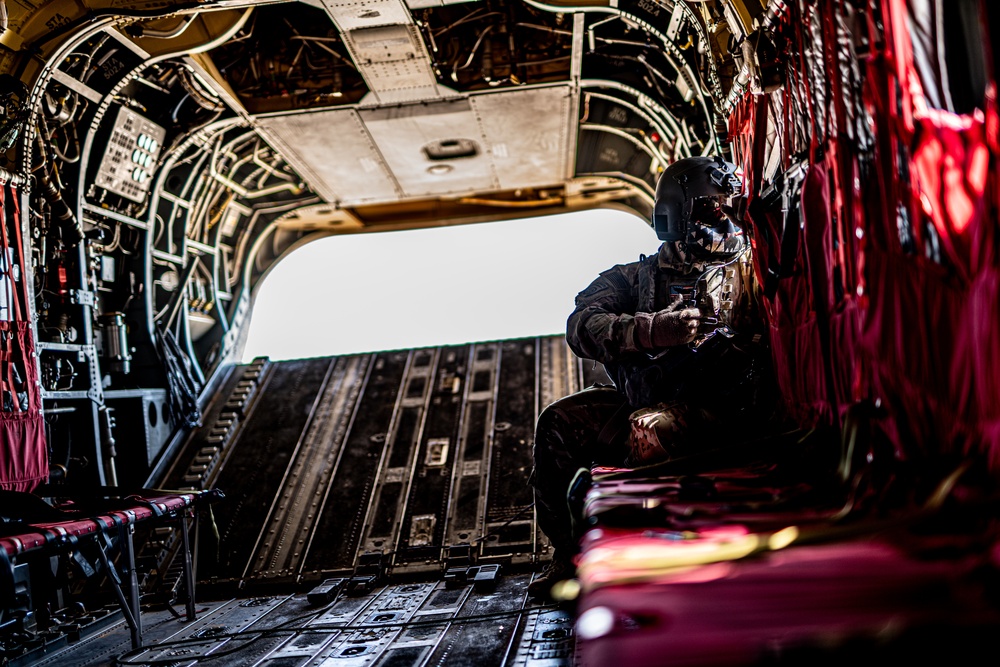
602,326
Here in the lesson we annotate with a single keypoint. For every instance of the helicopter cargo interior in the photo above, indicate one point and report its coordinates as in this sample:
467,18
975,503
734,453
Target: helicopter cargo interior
164,502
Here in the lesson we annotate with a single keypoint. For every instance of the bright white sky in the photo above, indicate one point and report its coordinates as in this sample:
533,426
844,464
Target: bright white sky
441,286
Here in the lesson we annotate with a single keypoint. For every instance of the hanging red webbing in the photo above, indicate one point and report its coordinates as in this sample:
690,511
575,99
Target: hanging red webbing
23,450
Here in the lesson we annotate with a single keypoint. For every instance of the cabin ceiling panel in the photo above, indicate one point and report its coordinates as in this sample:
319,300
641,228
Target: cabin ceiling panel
387,49
394,63
333,151
351,14
528,132
433,149
448,147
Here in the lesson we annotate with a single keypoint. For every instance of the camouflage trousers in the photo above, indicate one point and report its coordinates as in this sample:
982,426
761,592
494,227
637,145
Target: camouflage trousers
572,434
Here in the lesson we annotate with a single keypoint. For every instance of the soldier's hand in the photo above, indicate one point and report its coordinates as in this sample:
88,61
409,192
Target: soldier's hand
675,325
708,305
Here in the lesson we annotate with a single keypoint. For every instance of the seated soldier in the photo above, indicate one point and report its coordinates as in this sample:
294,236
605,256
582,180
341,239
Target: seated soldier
662,328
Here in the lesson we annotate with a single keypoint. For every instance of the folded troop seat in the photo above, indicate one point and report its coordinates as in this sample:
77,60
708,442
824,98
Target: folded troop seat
87,533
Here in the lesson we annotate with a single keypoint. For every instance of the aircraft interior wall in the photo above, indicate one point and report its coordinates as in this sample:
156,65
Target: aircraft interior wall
157,157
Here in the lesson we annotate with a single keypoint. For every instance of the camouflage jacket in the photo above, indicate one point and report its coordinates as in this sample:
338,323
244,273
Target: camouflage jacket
608,313
613,318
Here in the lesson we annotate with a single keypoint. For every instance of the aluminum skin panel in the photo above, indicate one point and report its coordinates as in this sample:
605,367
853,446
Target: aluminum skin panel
394,63
351,157
423,4
333,151
353,14
527,133
387,48
403,135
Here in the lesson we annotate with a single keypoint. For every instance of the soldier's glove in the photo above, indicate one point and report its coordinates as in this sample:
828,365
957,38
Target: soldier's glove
674,325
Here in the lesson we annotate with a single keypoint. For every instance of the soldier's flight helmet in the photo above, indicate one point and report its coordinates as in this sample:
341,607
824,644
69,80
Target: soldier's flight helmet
692,207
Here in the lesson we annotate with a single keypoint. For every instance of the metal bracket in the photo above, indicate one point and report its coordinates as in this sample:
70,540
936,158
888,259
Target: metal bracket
129,608
81,297
370,571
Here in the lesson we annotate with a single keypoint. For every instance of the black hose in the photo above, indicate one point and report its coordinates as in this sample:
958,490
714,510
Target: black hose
71,227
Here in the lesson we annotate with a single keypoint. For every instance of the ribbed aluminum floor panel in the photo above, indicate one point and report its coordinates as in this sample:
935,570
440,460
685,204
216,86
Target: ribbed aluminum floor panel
415,455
